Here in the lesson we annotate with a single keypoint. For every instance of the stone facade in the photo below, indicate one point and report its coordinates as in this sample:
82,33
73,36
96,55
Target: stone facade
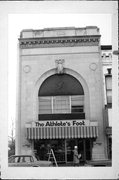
39,50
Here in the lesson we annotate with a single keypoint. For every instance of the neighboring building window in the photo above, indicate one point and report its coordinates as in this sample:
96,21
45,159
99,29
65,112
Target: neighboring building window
108,83
109,91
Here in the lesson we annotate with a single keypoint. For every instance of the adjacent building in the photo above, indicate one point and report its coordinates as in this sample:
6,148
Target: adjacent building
61,98
107,80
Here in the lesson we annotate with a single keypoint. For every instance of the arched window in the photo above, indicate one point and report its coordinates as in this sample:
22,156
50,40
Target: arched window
61,97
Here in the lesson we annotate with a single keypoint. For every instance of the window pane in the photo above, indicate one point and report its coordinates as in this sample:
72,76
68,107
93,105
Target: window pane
45,105
76,109
61,104
27,159
77,100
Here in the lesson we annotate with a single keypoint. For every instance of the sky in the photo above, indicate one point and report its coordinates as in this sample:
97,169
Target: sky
18,22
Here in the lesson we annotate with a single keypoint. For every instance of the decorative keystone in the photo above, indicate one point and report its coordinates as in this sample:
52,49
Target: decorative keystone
60,66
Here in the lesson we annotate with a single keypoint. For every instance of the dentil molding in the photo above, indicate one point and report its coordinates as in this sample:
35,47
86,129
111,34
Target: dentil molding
25,43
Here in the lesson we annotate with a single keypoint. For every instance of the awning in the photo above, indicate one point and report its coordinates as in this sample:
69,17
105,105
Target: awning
62,132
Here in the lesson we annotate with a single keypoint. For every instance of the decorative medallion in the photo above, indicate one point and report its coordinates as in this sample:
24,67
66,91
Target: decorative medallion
27,69
93,66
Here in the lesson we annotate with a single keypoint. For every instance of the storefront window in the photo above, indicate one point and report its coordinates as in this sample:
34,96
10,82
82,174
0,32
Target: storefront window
63,149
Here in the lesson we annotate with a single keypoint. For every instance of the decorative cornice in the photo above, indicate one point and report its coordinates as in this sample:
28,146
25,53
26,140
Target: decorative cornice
59,42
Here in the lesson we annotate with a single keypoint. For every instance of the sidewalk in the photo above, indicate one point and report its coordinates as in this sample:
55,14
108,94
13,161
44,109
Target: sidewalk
105,162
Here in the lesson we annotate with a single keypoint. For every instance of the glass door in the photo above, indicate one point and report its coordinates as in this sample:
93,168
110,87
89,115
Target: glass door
84,148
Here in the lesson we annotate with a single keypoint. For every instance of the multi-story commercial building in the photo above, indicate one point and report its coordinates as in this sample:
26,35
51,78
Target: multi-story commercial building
61,100
107,80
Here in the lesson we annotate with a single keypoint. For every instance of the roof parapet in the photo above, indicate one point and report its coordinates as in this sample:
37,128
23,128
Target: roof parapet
60,32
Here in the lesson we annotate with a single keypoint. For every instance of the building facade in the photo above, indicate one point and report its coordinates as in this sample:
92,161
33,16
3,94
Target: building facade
61,94
107,80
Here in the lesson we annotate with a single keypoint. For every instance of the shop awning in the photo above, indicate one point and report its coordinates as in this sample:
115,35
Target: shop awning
62,132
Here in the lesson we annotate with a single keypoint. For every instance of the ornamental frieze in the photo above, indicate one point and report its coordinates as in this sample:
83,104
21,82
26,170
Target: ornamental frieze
58,42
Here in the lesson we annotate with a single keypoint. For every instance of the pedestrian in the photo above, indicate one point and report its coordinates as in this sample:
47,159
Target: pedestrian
76,157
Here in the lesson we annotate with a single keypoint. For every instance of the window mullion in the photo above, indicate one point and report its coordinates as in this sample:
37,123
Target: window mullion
70,103
52,104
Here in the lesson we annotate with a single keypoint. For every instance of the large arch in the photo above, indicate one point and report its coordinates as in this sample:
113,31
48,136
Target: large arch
63,84
52,72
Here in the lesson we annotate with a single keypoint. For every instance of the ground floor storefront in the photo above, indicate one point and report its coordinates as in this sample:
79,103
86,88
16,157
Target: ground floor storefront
64,149
62,137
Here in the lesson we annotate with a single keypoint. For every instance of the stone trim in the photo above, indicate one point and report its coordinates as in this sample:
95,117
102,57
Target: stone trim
59,42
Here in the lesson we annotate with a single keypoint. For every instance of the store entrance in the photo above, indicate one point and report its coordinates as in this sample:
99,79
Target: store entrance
63,149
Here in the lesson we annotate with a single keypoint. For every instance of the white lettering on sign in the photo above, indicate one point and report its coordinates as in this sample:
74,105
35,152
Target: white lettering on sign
60,123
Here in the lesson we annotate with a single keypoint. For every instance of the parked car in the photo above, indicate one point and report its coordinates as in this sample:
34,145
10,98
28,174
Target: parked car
27,161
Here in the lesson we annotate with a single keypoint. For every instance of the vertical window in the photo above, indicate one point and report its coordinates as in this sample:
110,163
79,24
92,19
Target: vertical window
45,105
77,104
